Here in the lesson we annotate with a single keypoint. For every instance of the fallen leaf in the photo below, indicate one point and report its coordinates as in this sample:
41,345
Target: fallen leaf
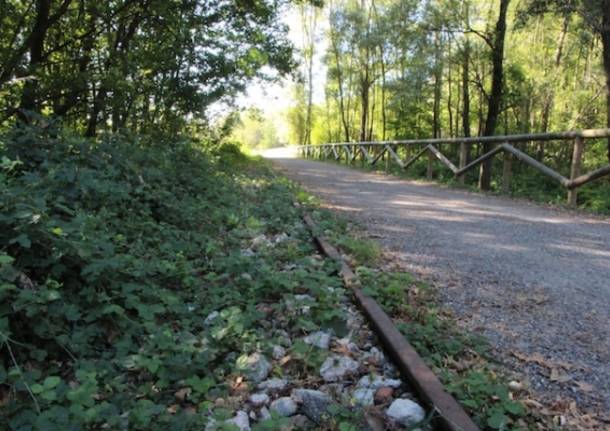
182,394
586,387
558,376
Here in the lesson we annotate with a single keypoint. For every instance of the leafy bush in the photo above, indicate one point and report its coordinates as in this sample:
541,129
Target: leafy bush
112,255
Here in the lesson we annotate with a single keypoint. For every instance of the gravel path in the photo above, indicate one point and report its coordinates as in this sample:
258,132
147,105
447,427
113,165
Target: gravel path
535,281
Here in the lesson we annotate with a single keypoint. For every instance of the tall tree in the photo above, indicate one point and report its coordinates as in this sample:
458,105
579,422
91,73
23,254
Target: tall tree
494,102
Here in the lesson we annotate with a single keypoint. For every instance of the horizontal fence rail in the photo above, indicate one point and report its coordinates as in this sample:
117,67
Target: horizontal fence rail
372,151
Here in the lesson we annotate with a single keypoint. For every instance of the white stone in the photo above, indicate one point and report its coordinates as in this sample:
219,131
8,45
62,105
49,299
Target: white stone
211,317
377,381
280,238
260,241
347,344
364,396
284,406
259,399
406,412
336,367
376,355
313,403
256,366
265,414
278,352
319,339
274,384
241,421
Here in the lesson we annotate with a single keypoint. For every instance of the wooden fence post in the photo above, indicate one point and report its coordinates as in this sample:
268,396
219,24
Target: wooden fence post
507,172
386,160
579,147
463,159
429,172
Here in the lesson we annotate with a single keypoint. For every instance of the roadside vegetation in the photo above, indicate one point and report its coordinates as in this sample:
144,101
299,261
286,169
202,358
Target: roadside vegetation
114,255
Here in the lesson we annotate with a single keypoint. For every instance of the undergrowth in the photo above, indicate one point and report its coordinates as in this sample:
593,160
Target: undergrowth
114,253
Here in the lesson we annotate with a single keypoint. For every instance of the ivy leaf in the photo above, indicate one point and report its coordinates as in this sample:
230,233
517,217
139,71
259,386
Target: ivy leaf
514,407
497,420
51,381
22,240
37,388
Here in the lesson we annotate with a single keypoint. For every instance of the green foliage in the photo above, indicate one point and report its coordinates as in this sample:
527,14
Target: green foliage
256,130
146,65
364,252
114,253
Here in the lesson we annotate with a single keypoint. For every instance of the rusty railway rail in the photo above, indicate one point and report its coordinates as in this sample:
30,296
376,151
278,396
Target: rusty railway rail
451,415
373,151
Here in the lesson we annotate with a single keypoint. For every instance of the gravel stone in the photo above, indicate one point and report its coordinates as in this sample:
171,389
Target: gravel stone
284,406
265,414
375,356
278,352
406,412
363,397
211,317
260,241
319,339
337,367
259,399
256,366
376,381
314,404
273,385
301,422
384,395
241,420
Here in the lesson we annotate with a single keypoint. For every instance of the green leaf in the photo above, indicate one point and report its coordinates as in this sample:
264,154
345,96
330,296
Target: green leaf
51,381
514,407
37,388
22,240
5,259
497,420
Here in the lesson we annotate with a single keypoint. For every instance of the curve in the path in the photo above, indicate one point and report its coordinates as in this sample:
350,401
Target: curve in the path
532,279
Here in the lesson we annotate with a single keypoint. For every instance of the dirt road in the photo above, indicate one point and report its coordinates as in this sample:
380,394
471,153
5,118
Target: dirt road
533,280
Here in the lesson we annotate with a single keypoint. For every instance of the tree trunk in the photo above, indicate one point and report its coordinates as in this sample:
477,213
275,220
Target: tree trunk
342,109
29,97
309,30
438,82
450,94
548,103
466,90
364,98
383,86
605,33
495,96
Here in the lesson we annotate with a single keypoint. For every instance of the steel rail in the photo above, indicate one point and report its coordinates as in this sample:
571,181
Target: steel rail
451,415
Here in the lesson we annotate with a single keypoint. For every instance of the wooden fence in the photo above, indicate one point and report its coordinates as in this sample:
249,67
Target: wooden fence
373,151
